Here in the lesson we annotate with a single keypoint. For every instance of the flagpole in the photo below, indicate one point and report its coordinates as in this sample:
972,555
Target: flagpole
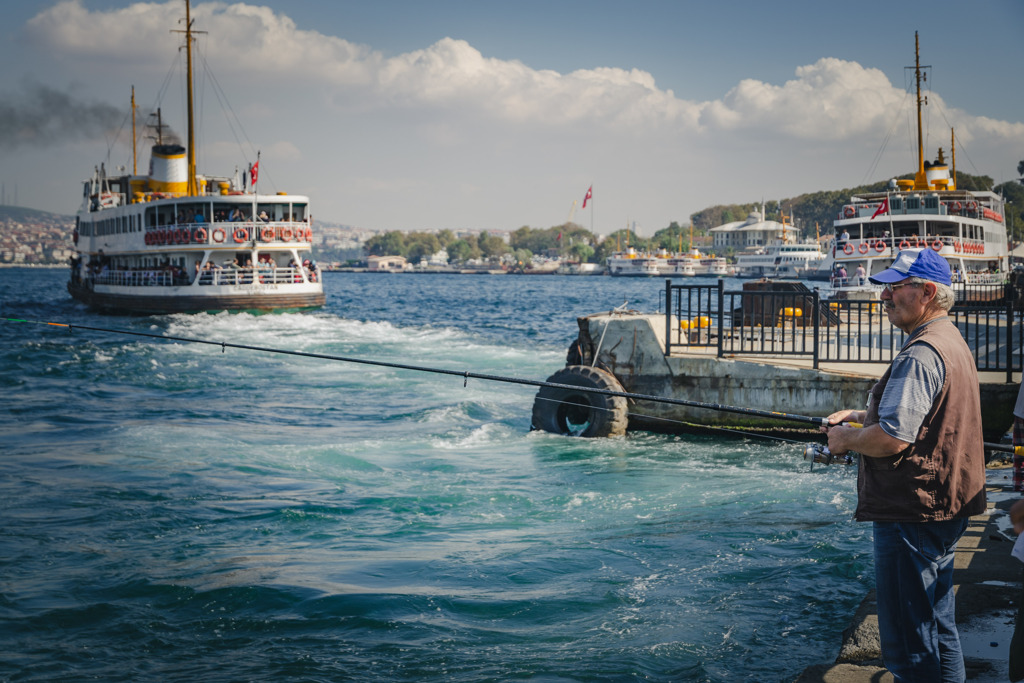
255,179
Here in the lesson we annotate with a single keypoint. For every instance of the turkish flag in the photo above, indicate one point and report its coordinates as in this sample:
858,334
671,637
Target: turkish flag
589,195
882,208
255,172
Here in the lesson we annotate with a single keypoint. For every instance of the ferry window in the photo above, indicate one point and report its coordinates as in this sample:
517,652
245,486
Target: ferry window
299,212
931,202
913,203
896,203
222,212
273,211
150,218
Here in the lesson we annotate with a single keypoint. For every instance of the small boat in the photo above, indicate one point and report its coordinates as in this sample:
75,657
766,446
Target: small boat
966,227
175,241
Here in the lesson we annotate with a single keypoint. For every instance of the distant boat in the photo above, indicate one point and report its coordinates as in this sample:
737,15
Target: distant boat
174,241
966,227
631,263
780,260
697,264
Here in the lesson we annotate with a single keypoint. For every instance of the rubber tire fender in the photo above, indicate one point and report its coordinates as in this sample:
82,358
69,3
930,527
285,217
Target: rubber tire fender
580,413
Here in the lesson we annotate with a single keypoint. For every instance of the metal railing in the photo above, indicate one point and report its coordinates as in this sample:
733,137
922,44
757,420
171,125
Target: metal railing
212,276
787,319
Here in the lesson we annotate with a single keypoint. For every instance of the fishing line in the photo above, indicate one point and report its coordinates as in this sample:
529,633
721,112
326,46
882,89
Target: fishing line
467,375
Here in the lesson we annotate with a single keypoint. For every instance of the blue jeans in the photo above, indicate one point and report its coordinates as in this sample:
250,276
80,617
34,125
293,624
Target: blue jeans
914,587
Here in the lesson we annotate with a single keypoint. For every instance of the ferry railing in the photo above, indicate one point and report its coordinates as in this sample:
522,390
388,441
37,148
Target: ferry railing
776,322
248,276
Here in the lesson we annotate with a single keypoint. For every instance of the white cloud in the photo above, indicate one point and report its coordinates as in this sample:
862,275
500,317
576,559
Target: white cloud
830,100
446,131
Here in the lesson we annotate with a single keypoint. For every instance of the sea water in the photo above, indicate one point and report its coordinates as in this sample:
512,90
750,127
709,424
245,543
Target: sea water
184,512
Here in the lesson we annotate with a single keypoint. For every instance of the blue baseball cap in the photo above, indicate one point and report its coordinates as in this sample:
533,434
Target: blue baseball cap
922,263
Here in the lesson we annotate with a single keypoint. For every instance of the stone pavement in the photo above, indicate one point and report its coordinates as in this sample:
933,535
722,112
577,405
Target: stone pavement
988,586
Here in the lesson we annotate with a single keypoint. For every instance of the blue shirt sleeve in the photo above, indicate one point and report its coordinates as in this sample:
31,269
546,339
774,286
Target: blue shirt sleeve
916,380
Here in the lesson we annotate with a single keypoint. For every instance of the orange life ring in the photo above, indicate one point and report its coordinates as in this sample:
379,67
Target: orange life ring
241,235
287,234
879,246
180,234
268,234
146,239
161,237
937,244
849,212
956,246
863,248
972,206
848,249
199,235
904,244
956,206
309,234
215,236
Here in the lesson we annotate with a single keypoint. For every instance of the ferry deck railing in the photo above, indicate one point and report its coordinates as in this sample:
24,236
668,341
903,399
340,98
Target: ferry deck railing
779,321
212,276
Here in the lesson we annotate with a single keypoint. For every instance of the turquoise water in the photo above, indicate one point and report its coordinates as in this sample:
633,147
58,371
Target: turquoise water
175,512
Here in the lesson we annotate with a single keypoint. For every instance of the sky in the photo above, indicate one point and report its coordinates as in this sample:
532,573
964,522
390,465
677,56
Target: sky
486,115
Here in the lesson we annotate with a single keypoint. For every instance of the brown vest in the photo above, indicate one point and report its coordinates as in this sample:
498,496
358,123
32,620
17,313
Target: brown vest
942,474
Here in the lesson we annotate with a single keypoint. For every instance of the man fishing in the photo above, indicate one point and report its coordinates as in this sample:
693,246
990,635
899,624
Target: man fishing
922,469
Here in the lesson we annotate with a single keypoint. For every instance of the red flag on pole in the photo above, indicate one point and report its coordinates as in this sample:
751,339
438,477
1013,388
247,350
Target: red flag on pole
589,195
255,172
882,208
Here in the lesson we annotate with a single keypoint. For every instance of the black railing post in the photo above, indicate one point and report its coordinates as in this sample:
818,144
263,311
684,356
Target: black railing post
1009,338
668,316
721,317
815,308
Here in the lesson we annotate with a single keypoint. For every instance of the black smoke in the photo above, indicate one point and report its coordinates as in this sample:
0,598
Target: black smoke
41,116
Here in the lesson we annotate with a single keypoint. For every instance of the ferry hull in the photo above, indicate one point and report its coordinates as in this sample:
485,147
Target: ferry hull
179,302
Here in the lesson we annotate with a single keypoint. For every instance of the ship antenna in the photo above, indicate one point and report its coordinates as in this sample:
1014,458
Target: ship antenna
952,154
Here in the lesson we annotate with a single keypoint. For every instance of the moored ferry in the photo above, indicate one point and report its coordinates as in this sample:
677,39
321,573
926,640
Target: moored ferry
966,227
632,263
697,264
174,241
780,260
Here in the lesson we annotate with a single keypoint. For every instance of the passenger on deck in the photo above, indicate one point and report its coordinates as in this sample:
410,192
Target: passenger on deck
236,215
861,274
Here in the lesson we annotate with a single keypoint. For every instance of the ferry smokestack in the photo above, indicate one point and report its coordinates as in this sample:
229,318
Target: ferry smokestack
168,171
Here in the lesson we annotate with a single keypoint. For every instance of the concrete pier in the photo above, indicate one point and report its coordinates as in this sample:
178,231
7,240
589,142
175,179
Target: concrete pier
631,346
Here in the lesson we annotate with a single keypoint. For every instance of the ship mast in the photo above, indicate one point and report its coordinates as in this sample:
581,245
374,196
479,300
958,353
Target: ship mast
192,190
135,163
920,180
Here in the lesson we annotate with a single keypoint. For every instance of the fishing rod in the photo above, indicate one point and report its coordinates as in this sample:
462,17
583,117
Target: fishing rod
821,451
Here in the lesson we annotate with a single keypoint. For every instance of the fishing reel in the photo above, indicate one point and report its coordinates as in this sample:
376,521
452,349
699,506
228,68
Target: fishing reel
816,452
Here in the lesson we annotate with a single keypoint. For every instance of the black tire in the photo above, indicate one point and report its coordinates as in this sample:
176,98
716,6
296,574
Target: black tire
580,413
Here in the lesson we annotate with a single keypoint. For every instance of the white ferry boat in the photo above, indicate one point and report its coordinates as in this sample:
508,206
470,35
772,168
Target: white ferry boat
780,260
965,227
631,263
697,264
174,241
